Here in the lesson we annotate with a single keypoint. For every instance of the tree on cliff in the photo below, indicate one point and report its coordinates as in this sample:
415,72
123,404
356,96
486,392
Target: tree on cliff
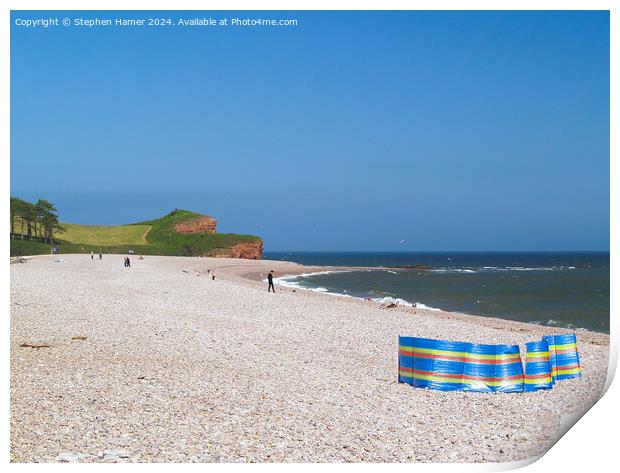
22,210
17,206
46,213
39,220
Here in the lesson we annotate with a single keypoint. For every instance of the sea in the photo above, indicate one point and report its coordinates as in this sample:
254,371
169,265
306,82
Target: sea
560,289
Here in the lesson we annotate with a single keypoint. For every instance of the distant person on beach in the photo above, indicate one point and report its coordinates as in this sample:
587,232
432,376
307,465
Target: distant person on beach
92,256
213,275
100,256
270,279
127,262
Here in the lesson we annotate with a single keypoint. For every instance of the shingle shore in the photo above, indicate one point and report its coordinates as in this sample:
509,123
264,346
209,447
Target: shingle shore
178,367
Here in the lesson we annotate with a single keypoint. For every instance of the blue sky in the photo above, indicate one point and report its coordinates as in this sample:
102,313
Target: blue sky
351,131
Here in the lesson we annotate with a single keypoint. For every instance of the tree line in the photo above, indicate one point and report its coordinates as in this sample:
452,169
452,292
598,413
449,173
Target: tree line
37,221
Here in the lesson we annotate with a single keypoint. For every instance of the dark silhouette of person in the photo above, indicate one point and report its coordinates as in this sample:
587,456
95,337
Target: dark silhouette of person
270,279
100,256
127,262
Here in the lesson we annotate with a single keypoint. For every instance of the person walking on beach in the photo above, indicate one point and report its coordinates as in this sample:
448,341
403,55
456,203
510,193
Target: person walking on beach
270,280
213,275
92,256
127,262
100,257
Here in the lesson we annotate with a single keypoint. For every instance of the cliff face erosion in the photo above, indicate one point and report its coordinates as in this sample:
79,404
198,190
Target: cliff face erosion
200,225
247,250
207,225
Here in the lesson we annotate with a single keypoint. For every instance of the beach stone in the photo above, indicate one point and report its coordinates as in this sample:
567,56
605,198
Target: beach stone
245,375
69,457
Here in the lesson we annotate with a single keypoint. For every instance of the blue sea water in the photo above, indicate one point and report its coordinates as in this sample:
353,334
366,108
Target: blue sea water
565,289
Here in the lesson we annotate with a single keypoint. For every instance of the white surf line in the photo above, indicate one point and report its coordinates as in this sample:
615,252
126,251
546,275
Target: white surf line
285,281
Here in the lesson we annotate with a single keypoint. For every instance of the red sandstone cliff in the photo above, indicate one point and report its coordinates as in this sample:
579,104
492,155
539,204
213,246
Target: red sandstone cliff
247,250
200,225
250,250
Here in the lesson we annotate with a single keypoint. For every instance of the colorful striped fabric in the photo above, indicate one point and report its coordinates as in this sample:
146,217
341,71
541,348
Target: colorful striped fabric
447,365
564,356
537,367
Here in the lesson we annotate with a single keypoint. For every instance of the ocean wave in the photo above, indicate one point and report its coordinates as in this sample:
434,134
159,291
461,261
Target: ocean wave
419,305
555,323
473,270
284,281
322,290
290,279
391,300
387,289
319,273
398,301
296,280
454,270
522,268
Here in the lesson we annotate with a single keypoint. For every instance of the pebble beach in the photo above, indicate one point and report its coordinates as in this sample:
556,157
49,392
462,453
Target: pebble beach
160,363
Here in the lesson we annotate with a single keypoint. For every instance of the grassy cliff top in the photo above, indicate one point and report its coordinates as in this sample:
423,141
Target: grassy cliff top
105,235
172,218
156,237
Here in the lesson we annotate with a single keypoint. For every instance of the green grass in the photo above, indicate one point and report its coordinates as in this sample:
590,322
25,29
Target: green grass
104,235
27,247
167,241
161,239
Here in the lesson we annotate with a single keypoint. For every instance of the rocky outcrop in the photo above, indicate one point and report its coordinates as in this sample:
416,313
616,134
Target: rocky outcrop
414,266
199,225
247,250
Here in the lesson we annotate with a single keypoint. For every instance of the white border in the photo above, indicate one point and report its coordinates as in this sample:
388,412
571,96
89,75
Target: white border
591,444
